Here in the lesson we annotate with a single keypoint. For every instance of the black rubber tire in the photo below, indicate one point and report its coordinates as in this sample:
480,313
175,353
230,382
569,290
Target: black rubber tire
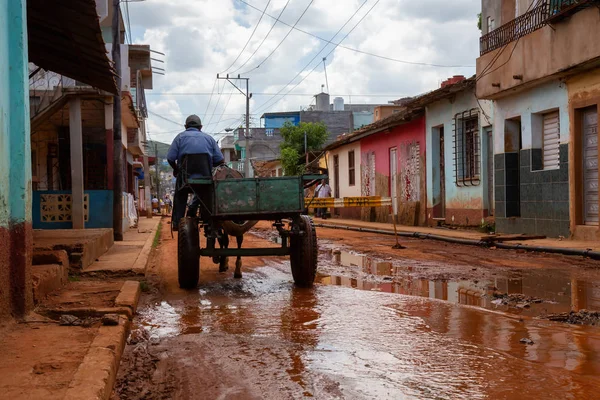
304,253
188,253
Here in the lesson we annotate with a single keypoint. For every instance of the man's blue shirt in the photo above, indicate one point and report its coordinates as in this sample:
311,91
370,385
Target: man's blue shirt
194,141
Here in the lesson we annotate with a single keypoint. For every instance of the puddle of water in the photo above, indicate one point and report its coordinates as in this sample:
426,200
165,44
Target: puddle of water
559,291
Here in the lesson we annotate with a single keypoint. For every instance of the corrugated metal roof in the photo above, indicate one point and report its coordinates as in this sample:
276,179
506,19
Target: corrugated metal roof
65,37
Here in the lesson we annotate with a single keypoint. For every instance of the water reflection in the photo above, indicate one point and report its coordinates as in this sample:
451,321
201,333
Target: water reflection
299,325
560,291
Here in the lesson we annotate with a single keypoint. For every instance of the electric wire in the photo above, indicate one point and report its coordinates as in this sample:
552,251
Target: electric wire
250,38
263,41
361,51
315,56
332,50
282,40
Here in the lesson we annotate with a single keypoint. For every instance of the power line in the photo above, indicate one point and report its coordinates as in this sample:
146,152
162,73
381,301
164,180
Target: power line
265,38
332,50
165,118
360,51
220,91
273,94
316,55
485,70
250,38
210,99
224,108
282,40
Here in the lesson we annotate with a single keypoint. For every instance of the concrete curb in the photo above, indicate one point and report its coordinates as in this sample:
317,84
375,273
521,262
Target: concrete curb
141,262
129,295
96,375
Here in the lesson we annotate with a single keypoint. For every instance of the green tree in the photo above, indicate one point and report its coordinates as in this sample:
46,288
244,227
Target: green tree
292,147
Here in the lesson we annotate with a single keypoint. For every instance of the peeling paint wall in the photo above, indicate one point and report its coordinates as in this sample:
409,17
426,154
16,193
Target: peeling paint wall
549,96
465,205
15,162
346,190
409,141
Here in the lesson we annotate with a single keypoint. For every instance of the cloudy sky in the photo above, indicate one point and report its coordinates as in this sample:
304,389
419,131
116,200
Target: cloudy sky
201,38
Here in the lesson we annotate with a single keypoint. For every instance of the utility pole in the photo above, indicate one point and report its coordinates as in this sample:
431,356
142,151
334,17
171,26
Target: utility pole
147,182
157,174
248,96
117,141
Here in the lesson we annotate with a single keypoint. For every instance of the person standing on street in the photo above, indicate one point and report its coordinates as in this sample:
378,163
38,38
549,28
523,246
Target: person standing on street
190,141
323,191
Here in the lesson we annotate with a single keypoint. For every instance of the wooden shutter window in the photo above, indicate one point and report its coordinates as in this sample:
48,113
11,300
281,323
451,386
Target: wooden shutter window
551,137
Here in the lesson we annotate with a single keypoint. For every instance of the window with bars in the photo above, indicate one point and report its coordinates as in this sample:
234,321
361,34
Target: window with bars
467,147
351,169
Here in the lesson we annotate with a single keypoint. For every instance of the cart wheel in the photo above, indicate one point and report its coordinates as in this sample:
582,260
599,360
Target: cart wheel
303,253
188,253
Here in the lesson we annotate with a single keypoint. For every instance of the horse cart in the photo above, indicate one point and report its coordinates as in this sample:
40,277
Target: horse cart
230,205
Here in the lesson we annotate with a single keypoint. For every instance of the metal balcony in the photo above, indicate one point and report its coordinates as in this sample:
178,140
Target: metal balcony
561,9
531,21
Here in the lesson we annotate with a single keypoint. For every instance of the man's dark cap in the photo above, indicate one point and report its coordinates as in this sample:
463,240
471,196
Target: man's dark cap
193,121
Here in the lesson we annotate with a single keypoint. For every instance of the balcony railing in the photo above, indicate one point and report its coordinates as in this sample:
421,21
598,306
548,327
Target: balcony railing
560,9
523,25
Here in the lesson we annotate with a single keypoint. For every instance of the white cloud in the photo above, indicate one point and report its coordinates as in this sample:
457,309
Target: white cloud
201,38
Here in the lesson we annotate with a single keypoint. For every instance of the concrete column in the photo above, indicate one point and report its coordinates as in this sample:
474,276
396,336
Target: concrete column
76,137
16,297
147,184
108,126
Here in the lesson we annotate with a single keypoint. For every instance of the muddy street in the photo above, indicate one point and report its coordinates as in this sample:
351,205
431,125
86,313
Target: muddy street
433,321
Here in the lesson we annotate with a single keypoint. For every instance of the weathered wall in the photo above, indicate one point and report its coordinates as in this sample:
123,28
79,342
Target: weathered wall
385,111
564,45
342,152
15,163
409,141
337,122
529,200
465,205
549,96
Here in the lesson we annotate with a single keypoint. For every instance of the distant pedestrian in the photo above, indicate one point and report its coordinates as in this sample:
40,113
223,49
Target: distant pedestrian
323,190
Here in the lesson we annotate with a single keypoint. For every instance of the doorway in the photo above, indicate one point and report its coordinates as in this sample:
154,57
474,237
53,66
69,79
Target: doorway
490,171
512,170
394,179
336,176
590,165
439,179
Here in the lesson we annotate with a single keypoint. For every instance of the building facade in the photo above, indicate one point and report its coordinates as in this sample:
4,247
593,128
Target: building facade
72,145
460,154
23,40
545,113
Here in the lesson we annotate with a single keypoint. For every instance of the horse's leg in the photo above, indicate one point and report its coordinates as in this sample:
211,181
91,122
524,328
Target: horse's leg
238,262
224,261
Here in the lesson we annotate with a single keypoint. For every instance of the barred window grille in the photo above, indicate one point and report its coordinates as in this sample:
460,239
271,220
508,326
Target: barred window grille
467,148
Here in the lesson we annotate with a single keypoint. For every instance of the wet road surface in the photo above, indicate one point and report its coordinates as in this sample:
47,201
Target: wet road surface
367,330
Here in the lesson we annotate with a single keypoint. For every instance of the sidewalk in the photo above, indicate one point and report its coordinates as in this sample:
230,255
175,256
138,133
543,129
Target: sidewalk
71,345
129,257
472,235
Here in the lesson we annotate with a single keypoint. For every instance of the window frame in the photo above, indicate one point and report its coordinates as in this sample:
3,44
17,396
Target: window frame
351,168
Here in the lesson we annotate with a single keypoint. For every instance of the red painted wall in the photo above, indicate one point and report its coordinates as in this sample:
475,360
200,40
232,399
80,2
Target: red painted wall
382,142
410,182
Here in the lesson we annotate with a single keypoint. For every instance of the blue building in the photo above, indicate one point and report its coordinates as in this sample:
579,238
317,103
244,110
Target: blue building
51,49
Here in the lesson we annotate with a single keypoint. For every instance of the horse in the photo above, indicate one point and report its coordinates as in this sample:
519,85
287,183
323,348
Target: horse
230,227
